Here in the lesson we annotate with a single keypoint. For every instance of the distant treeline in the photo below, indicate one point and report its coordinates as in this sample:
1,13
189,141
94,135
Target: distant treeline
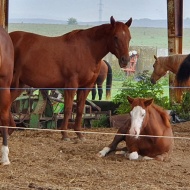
136,22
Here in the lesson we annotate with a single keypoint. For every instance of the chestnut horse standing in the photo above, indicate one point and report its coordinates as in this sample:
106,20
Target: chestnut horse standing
105,73
6,74
71,61
179,65
146,119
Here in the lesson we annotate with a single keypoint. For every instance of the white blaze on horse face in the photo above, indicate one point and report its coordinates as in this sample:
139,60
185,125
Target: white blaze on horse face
137,117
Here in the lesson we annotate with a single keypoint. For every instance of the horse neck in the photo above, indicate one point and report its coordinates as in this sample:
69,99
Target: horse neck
174,62
98,38
151,122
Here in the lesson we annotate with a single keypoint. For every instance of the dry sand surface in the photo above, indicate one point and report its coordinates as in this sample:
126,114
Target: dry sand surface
42,161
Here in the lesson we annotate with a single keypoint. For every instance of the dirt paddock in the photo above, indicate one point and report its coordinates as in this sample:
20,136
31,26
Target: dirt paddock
42,161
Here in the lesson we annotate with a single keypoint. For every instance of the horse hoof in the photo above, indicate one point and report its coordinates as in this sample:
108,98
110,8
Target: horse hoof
83,139
5,163
121,152
66,139
100,155
133,156
103,152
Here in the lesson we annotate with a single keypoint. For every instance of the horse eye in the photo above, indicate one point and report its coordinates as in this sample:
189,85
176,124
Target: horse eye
115,38
143,115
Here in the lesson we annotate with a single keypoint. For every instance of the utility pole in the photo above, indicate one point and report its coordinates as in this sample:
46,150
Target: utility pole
4,6
175,36
100,11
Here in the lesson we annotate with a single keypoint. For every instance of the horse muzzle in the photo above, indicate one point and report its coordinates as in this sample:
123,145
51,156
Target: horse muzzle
123,61
152,81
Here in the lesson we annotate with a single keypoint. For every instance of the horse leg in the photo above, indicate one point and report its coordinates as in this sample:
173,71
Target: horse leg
4,117
117,139
81,98
14,94
100,91
68,99
94,92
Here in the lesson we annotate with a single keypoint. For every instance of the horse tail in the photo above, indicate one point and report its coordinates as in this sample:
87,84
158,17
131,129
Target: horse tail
108,81
182,77
178,91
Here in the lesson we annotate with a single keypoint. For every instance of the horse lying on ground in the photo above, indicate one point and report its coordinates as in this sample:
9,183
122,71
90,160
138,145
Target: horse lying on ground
177,64
146,119
6,74
71,62
105,73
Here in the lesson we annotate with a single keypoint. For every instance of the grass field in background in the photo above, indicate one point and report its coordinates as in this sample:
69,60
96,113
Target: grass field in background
141,36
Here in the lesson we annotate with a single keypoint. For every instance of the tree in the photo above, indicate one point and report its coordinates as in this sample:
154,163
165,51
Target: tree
72,21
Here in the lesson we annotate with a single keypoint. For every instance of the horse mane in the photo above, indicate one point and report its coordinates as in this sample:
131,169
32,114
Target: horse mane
183,73
70,35
174,60
164,115
94,32
182,77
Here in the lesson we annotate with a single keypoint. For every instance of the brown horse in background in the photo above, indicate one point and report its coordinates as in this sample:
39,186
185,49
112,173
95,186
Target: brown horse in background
177,64
146,119
71,62
105,73
6,74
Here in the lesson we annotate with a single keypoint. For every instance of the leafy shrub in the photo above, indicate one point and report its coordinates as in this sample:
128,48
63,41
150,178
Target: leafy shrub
140,87
103,121
183,109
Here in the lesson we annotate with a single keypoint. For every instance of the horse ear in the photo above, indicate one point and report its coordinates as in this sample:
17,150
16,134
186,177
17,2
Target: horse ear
148,102
155,57
112,21
130,99
128,23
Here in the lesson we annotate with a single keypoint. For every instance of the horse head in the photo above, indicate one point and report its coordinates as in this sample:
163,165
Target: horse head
119,41
159,70
138,114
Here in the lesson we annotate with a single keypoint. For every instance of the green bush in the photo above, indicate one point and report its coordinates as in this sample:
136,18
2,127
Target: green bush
183,109
103,121
141,87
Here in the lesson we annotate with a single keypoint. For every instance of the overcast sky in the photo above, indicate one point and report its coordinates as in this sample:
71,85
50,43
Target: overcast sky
88,10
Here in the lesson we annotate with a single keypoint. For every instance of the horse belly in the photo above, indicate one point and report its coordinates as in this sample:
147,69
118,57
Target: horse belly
154,148
41,78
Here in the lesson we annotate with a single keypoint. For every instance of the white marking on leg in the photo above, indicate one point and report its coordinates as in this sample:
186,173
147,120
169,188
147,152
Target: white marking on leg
5,153
133,156
104,151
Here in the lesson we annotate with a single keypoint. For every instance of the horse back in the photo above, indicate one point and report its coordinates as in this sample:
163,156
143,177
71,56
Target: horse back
6,55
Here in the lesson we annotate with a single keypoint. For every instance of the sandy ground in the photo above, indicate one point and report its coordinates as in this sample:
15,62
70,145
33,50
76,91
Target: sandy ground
42,161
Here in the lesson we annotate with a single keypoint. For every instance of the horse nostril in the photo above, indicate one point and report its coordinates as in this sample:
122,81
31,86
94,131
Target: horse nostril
123,59
152,81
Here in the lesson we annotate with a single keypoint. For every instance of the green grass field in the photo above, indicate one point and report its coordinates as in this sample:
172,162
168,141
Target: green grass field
155,37
141,36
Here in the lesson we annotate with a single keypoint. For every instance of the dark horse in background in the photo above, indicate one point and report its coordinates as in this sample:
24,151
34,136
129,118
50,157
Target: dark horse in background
148,120
6,74
177,64
105,73
47,62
